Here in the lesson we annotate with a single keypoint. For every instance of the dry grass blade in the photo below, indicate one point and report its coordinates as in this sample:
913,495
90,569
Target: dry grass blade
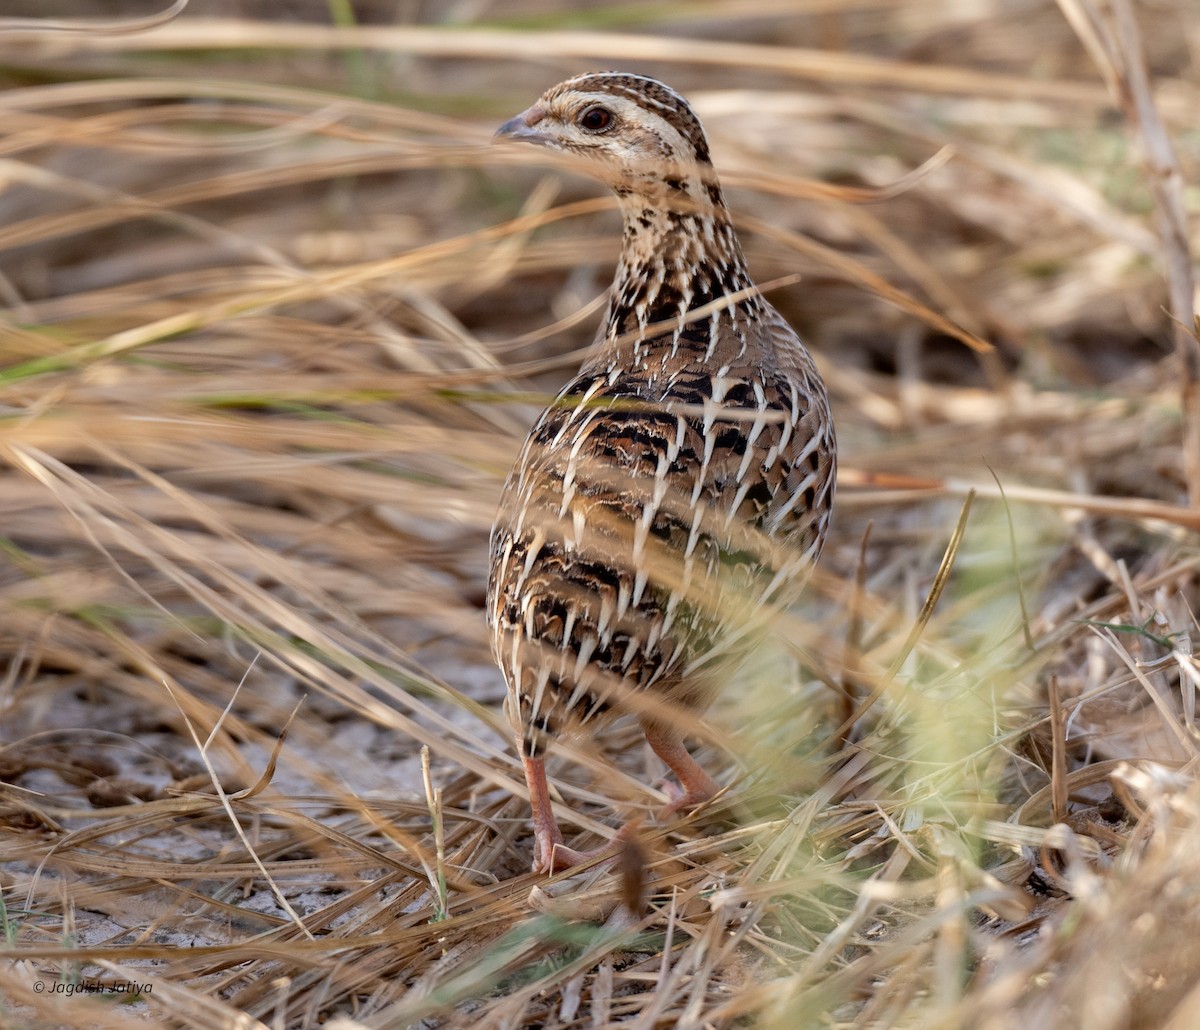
922,620
36,28
274,319
856,272
822,66
1058,743
1114,42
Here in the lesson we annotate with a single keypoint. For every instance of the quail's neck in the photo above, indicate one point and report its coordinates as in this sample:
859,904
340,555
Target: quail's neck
678,254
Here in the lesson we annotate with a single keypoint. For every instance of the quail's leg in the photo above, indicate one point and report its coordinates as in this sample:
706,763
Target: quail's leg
550,854
697,785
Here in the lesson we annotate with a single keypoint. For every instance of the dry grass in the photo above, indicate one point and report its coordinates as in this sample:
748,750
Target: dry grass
275,320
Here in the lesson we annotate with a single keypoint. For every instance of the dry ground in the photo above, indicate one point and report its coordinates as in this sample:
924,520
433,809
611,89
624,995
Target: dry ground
275,319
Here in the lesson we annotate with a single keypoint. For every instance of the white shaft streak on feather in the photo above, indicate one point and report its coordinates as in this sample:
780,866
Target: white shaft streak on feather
581,689
535,546
710,442
623,596
694,533
568,483
607,610
756,428
674,446
568,628
631,650
777,518
585,653
811,446
736,503
539,690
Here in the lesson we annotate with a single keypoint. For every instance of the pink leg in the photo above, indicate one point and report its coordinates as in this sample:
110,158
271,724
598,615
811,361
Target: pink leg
550,853
697,785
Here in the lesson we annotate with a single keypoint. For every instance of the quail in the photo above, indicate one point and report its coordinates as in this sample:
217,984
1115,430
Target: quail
676,493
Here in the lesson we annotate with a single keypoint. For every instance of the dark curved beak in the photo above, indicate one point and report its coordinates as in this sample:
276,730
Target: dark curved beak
522,128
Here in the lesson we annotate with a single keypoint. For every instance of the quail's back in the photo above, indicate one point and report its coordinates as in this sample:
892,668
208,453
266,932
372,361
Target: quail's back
677,491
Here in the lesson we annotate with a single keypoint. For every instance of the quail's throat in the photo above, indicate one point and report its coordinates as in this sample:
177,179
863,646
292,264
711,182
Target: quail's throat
678,254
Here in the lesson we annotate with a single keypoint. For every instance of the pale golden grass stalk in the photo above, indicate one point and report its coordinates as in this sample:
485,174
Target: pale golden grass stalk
267,352
1111,35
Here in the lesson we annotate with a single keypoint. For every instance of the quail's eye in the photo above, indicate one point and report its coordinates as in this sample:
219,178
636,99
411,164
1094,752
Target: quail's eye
595,119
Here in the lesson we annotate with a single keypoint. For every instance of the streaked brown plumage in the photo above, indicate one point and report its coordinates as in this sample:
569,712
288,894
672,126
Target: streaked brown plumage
679,488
